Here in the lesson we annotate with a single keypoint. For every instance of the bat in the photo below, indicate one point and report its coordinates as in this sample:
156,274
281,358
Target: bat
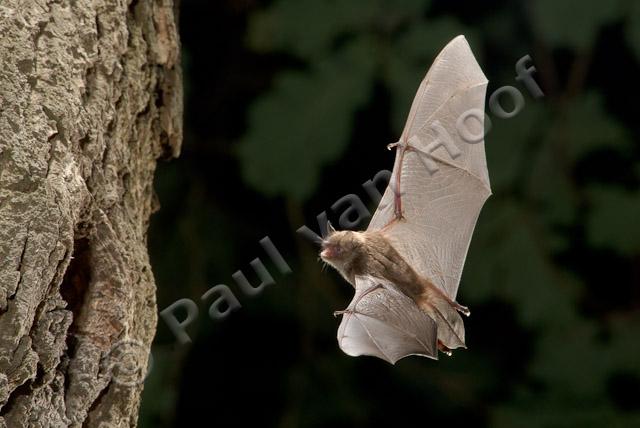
406,266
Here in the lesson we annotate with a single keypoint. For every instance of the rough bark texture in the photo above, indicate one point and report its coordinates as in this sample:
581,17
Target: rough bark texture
90,98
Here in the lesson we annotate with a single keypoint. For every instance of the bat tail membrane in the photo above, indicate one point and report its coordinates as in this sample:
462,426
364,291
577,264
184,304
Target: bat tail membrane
447,318
383,322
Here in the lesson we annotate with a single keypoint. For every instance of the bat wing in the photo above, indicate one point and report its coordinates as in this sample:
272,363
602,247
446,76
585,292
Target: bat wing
440,179
383,322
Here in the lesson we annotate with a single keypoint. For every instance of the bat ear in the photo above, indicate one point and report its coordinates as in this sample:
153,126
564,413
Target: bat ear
330,229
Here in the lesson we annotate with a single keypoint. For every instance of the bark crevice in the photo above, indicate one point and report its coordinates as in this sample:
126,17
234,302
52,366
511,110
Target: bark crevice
20,391
76,170
74,287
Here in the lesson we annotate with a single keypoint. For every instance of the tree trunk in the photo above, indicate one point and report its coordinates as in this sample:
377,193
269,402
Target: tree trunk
90,98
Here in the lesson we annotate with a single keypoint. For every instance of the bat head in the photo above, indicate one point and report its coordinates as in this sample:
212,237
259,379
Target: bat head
340,248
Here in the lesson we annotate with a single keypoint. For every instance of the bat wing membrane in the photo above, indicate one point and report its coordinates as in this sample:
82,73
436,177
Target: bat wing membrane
383,322
442,187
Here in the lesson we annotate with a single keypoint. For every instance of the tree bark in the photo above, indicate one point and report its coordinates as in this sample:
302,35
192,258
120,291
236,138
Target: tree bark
90,99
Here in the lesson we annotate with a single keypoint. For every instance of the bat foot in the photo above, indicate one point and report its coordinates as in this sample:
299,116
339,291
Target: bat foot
444,349
462,309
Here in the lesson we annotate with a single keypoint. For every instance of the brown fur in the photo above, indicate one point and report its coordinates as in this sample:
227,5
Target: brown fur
370,253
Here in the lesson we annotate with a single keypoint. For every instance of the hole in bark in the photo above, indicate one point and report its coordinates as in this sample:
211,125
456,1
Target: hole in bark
99,29
24,389
75,285
159,98
84,141
90,79
132,6
166,147
145,111
38,381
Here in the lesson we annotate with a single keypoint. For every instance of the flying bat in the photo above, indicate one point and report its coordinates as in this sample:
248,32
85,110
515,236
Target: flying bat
406,266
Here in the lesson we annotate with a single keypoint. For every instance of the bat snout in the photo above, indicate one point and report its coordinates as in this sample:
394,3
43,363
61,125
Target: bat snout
330,251
327,253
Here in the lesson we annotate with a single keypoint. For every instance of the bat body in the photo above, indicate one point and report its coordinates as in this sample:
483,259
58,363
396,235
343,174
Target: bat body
370,253
406,266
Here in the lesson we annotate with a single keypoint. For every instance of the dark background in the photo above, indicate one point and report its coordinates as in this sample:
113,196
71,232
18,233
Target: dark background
289,106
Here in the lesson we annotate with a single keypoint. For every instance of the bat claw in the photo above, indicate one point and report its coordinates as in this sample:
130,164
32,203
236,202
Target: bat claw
392,145
336,313
444,349
462,309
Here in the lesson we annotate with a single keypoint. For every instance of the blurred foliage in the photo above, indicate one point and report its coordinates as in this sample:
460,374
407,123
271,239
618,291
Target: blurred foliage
290,105
572,24
312,108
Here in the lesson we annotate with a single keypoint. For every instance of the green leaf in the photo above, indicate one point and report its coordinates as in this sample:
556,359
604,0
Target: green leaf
589,127
506,144
483,268
309,28
557,207
527,277
557,363
411,55
305,121
573,365
514,265
613,219
572,24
